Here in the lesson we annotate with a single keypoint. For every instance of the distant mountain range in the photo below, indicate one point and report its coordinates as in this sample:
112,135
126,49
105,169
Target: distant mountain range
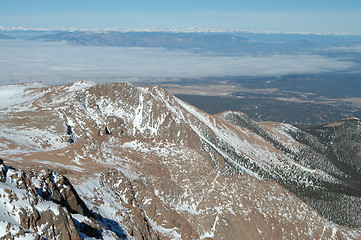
3,36
218,41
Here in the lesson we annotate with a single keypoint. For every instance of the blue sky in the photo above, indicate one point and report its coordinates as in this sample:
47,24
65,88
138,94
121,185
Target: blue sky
260,15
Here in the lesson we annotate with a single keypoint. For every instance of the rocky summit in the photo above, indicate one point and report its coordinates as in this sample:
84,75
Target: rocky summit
116,161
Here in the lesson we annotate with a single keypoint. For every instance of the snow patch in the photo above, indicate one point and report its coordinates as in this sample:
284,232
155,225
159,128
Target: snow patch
74,168
3,225
80,85
46,206
190,208
168,232
16,94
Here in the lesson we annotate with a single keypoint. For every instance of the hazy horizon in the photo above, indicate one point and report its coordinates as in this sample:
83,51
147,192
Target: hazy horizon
256,15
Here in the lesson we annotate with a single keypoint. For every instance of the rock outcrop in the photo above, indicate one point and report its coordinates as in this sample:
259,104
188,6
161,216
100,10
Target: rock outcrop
30,206
45,205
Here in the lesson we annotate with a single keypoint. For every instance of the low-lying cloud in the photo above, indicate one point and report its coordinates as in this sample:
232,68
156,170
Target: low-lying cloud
355,49
59,63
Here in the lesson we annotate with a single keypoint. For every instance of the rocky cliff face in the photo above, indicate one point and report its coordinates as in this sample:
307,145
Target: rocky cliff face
146,165
38,205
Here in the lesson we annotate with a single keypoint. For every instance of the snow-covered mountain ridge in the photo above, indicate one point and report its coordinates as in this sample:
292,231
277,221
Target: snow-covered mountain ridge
156,166
185,30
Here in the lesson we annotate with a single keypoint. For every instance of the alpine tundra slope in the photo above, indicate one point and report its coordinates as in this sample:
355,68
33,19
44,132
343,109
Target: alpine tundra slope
142,164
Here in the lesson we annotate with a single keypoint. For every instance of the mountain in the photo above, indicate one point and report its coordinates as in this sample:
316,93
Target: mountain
206,40
142,164
221,43
148,39
3,36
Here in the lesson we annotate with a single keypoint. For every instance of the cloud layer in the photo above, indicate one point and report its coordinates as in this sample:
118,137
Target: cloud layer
58,63
355,49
